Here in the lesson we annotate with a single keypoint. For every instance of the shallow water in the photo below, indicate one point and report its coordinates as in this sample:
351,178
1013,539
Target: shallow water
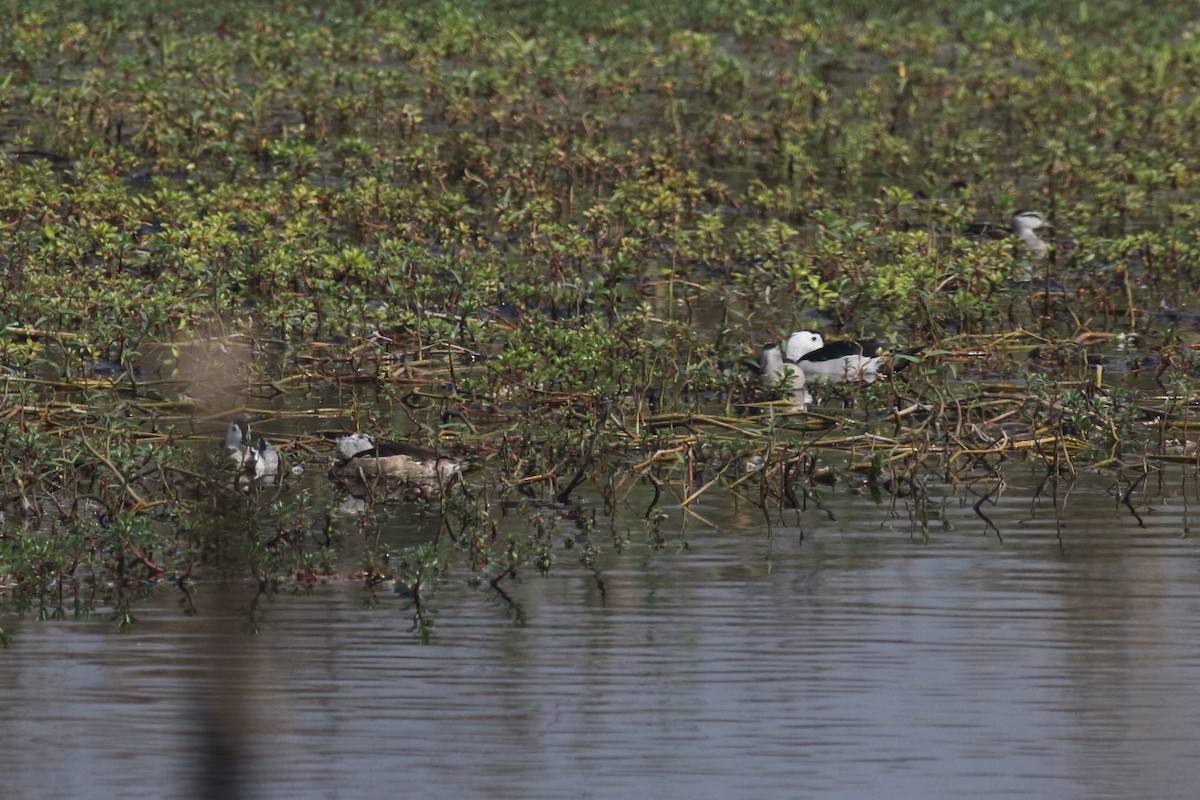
855,656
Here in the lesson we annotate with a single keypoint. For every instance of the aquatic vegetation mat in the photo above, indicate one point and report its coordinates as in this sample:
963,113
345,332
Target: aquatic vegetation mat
548,240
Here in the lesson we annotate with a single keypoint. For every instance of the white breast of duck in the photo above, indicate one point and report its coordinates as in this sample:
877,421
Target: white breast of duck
358,455
841,361
260,461
778,371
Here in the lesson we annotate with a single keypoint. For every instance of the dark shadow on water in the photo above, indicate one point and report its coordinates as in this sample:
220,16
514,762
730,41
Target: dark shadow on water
222,769
222,764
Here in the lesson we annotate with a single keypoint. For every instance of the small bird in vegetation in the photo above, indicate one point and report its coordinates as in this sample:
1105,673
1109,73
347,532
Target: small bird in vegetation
360,456
1024,227
841,361
780,372
259,461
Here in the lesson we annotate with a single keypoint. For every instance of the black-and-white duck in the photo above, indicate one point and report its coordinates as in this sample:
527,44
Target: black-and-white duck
360,456
841,361
259,460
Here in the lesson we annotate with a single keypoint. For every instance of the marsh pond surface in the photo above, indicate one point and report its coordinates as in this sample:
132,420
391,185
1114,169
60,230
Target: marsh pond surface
856,650
548,241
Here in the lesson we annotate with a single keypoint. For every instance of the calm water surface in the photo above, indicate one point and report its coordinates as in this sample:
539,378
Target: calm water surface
850,654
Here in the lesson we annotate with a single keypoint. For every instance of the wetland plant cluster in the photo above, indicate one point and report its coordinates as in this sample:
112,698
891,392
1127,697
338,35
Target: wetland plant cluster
548,237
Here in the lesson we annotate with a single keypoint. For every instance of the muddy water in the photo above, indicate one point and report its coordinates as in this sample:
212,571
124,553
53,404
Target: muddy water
851,653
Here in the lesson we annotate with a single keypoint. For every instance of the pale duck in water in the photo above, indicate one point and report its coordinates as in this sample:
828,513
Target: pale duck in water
778,371
360,456
1024,227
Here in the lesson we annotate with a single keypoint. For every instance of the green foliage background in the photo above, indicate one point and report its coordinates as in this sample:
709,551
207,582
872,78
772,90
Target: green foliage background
586,211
